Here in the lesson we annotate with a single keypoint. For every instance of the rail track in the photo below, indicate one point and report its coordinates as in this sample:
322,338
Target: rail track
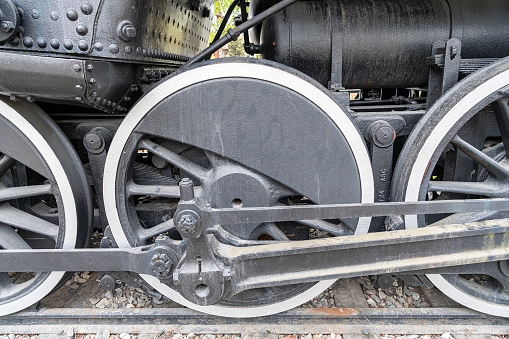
358,320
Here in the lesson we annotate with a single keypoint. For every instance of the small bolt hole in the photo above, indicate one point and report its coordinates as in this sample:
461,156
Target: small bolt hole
236,203
202,290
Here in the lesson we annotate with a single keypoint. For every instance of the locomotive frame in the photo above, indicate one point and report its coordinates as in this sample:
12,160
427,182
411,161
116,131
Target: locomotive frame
206,199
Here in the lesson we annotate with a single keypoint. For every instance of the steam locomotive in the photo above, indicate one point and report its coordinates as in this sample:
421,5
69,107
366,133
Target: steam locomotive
371,137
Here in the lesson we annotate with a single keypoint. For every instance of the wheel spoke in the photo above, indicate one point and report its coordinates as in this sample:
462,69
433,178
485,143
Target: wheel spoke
501,108
155,190
490,164
229,238
148,233
175,159
274,231
476,188
19,219
336,230
9,193
10,239
5,163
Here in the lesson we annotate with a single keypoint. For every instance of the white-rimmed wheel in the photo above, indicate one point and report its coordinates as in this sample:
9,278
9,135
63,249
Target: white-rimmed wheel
44,198
248,133
459,151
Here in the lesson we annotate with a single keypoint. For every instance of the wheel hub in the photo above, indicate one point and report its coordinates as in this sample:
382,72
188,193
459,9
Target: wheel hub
252,154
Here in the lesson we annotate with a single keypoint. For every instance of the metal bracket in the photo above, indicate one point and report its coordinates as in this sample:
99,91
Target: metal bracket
445,67
97,142
381,135
336,82
199,275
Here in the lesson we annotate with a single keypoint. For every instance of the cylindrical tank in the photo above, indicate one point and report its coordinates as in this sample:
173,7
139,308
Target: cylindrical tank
381,43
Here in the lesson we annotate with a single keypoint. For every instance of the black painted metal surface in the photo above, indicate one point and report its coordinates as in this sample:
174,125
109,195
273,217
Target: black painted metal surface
384,43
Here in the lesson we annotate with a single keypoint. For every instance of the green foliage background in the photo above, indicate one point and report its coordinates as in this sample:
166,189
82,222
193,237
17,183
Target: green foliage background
235,48
220,8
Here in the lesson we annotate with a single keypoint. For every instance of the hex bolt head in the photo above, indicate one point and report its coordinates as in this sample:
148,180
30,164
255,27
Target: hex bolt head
7,26
161,265
186,188
187,223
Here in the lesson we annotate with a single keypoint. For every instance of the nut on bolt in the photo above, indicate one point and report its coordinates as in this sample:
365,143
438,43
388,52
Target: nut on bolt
8,26
126,31
187,224
161,265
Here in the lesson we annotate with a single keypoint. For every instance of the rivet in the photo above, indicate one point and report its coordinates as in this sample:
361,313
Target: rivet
54,43
30,98
76,67
104,101
72,14
28,42
68,44
78,98
108,103
113,48
87,8
92,81
35,14
41,42
98,46
128,49
54,16
81,28
79,87
139,50
98,99
90,68
83,45
94,94
145,53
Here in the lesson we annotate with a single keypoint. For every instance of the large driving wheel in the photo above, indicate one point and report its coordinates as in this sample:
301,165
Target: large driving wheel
44,198
459,151
248,133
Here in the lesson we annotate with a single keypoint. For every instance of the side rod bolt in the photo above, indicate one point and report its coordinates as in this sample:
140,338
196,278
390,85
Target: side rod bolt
187,223
186,189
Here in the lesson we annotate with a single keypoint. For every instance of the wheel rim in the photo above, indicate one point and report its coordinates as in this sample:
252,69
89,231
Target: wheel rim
19,119
442,126
216,71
